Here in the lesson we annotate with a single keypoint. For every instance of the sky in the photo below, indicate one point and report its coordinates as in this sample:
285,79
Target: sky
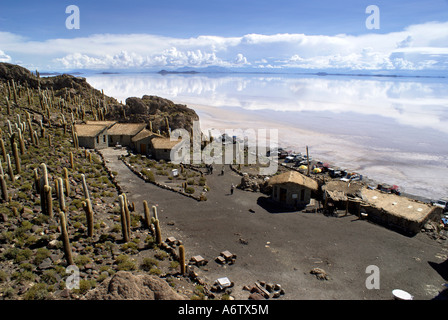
257,35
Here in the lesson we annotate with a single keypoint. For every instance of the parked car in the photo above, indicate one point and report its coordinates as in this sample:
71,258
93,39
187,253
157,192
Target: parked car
337,173
442,203
334,173
289,159
275,151
322,166
389,189
353,176
283,154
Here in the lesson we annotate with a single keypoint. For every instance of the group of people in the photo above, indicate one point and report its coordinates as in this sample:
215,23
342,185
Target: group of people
209,168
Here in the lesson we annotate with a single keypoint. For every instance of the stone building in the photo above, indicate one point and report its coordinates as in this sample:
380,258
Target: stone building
122,133
142,141
292,189
92,136
161,148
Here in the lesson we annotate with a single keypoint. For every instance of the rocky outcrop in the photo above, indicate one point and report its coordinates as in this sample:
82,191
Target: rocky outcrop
155,110
127,286
18,74
136,110
60,84
254,184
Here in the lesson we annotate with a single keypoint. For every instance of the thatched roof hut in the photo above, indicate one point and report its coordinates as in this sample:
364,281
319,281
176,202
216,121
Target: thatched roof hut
144,134
122,133
294,177
126,129
93,136
292,189
399,212
89,130
161,147
337,190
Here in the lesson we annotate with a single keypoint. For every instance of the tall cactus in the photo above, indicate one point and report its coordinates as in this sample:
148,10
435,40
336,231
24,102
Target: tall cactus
36,180
8,106
42,183
72,162
167,123
158,232
21,141
124,228
48,201
2,146
84,186
182,259
10,171
4,188
89,216
76,140
147,213
128,214
61,196
66,182
35,138
65,239
15,153
154,212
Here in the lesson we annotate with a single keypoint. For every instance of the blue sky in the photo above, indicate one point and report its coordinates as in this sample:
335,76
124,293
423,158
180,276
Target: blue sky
39,26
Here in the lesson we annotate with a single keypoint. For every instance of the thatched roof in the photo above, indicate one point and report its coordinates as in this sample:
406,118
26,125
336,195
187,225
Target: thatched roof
341,190
164,143
145,133
296,178
126,129
103,123
89,130
399,206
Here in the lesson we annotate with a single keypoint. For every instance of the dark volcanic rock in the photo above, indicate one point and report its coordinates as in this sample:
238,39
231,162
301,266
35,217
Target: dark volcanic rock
156,110
76,85
19,74
127,286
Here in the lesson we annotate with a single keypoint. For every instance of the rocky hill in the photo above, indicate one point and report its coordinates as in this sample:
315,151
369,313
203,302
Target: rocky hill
158,113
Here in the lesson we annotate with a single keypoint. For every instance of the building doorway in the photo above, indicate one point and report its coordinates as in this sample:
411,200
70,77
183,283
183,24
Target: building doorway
283,193
142,148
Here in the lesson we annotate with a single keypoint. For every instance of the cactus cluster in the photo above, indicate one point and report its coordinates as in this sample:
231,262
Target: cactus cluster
54,185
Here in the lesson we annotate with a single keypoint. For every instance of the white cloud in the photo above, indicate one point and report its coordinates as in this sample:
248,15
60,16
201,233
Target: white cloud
240,59
4,57
418,47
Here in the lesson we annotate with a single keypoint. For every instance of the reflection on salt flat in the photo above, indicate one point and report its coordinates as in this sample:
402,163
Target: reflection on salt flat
393,129
417,103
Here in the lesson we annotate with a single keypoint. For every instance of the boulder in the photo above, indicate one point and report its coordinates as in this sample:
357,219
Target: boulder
127,286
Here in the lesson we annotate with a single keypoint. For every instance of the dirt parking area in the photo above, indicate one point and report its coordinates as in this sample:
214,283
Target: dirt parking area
282,248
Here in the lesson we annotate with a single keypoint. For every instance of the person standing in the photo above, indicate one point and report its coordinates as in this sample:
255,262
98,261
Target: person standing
232,188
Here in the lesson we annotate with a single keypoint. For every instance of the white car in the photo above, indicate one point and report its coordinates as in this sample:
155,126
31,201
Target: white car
442,203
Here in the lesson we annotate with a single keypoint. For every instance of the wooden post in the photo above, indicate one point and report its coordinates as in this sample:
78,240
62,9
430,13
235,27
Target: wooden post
308,160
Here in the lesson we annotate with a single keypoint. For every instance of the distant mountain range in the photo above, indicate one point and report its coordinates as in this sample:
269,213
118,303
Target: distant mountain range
222,70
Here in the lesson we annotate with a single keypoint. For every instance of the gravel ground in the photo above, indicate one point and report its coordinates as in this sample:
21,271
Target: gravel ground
284,247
